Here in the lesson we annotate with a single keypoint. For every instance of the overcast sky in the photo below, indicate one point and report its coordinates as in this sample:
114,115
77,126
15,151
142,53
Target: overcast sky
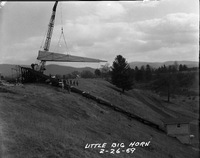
154,31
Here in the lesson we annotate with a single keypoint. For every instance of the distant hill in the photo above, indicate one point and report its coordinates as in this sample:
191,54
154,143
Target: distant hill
7,69
167,63
62,70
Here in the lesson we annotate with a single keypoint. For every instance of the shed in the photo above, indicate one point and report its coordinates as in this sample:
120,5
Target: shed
179,128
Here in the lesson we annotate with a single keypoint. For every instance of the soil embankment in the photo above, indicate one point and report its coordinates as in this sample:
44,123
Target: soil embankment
44,121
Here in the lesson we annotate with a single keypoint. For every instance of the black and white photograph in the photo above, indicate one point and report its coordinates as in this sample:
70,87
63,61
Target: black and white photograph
99,79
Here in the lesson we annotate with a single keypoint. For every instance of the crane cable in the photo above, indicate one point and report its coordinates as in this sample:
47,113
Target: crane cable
62,32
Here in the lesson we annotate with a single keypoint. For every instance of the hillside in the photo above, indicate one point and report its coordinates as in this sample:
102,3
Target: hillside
63,70
43,121
6,69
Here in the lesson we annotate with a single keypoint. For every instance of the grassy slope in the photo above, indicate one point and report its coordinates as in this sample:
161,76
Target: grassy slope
147,104
142,102
41,121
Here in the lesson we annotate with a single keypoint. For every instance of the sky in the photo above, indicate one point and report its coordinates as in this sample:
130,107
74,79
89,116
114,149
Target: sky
150,31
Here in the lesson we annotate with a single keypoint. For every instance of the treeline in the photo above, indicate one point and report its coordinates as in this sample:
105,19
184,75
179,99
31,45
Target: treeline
76,74
147,73
172,79
103,72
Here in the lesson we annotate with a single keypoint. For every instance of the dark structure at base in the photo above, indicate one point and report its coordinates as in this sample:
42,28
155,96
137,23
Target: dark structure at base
29,75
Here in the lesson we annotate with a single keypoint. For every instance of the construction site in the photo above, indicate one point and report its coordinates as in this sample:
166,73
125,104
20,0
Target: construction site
42,116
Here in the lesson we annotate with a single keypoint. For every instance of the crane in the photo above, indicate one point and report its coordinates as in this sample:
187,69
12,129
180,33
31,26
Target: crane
37,75
45,55
49,35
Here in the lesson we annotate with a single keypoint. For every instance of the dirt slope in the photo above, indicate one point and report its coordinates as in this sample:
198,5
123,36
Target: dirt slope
43,121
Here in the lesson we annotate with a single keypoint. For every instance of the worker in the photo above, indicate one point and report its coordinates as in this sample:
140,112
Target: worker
68,88
74,83
64,82
77,82
67,82
33,66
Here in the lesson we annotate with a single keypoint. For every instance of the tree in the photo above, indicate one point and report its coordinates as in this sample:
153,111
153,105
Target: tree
171,83
87,74
72,75
176,66
136,74
148,73
121,74
180,67
139,73
75,74
167,80
97,72
105,71
142,71
185,68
